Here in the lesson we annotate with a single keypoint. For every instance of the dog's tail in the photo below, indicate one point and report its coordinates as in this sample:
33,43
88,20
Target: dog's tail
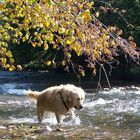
33,94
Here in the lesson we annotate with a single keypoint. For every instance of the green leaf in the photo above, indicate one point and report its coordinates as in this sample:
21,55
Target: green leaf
49,2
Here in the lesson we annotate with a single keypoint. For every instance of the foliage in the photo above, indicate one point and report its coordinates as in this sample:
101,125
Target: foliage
127,13
65,27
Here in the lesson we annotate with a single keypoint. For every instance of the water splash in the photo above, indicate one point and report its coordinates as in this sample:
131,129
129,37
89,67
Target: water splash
49,119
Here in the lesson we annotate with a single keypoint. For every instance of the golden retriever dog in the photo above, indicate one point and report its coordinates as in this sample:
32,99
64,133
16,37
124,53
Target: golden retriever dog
62,100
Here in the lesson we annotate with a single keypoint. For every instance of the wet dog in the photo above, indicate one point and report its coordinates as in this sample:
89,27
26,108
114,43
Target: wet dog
62,100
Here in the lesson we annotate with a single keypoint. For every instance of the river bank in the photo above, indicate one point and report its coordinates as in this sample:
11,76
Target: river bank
34,131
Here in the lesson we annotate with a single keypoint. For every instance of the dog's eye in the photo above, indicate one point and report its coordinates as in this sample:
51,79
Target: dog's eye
78,98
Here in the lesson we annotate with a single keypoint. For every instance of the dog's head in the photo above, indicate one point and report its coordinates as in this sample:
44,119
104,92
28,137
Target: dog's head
74,96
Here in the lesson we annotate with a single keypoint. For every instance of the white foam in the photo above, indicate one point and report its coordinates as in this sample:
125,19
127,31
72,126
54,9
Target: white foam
2,103
131,106
100,101
113,91
14,102
52,120
115,105
122,90
137,92
3,127
49,119
12,89
17,91
23,120
20,103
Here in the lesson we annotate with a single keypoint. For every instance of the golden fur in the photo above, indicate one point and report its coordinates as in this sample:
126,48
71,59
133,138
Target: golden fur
60,99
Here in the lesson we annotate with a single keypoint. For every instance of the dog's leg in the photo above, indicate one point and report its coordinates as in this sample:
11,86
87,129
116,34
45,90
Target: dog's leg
73,114
40,114
70,116
58,118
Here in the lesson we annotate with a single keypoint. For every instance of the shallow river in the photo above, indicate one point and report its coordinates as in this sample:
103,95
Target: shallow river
108,114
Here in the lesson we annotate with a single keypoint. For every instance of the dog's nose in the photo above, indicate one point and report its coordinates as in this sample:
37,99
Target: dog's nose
80,107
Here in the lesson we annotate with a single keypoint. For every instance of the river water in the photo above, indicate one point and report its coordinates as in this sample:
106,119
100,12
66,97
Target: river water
107,114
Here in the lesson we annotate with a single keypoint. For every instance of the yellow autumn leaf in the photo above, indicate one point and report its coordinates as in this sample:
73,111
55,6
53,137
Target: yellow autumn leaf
97,14
94,71
63,63
7,66
69,42
47,24
83,73
46,46
90,5
9,54
105,44
4,60
34,44
86,16
54,46
68,55
12,60
61,30
12,68
77,48
81,6
107,52
49,63
112,43
69,1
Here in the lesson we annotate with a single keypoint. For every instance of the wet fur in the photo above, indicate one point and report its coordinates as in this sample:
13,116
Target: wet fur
50,99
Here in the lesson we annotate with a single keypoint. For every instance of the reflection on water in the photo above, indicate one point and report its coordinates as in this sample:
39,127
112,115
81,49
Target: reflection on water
117,109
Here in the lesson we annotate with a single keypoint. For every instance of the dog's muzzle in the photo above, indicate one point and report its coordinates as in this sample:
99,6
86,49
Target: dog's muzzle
78,107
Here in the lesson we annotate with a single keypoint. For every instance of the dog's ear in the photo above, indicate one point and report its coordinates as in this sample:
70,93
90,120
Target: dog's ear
67,95
70,96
